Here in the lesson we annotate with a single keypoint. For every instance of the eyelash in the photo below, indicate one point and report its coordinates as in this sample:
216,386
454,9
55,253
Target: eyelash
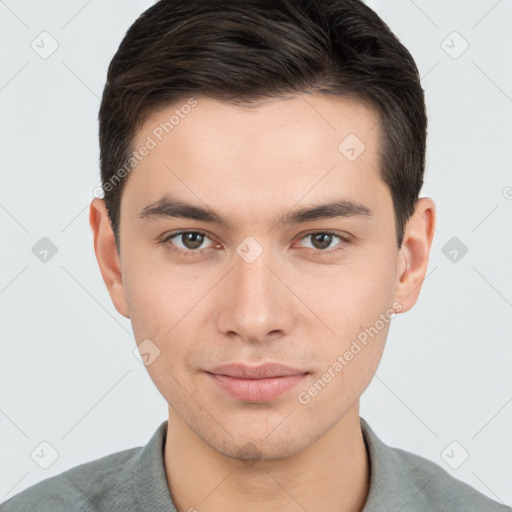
168,244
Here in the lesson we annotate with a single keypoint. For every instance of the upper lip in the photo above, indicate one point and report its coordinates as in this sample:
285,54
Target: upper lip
264,371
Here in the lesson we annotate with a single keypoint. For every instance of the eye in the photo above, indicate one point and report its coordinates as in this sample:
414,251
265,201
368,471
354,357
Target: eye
193,242
186,241
322,240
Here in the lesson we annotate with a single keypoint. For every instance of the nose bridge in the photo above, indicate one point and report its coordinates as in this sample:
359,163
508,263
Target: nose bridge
255,303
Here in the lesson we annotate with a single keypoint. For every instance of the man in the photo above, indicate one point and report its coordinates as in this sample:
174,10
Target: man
262,163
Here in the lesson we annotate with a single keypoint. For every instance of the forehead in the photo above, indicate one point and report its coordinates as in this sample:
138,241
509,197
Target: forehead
295,126
275,152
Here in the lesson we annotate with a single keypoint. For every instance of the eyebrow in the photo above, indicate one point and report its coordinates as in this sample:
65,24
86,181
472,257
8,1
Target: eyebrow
167,207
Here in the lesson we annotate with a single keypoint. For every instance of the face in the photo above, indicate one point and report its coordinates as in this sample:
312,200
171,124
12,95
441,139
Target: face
260,280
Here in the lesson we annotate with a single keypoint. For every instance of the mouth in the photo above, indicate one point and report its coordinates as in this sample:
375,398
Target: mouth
256,383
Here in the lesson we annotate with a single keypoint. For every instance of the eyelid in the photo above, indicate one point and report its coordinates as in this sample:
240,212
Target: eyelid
341,234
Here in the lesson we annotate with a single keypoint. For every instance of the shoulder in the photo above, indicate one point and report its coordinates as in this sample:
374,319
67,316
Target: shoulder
101,484
411,483
437,490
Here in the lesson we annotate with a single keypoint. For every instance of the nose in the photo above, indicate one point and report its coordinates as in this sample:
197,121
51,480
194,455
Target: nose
254,302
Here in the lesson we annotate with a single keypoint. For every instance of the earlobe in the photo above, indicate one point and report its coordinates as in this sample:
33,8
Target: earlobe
107,255
414,253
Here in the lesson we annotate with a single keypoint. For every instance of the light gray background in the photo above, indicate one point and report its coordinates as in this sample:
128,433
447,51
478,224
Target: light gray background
67,372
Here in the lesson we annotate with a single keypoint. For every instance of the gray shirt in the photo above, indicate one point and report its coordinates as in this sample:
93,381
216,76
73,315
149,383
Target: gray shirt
134,480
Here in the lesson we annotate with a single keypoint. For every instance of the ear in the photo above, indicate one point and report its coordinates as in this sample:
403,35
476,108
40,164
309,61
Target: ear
107,255
413,255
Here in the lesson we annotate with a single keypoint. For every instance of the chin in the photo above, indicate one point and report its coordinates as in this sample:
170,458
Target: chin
250,452
260,444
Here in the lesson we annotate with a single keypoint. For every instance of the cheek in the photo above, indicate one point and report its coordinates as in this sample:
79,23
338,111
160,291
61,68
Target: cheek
159,294
355,302
165,307
159,299
347,373
352,295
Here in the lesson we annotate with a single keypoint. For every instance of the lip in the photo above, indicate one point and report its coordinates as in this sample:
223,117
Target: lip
262,371
256,383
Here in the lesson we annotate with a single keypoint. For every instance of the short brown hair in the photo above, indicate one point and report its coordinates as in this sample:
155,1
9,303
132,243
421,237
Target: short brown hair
242,52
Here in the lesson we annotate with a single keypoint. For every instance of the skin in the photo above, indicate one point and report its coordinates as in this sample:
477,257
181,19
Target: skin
290,305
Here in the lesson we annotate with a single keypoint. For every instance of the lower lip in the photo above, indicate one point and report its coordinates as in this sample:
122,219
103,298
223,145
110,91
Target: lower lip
256,390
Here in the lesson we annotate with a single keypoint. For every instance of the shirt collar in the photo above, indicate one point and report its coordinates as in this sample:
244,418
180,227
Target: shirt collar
391,485
394,484
152,491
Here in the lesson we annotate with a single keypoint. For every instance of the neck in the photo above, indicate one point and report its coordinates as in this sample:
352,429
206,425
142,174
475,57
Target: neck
331,474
